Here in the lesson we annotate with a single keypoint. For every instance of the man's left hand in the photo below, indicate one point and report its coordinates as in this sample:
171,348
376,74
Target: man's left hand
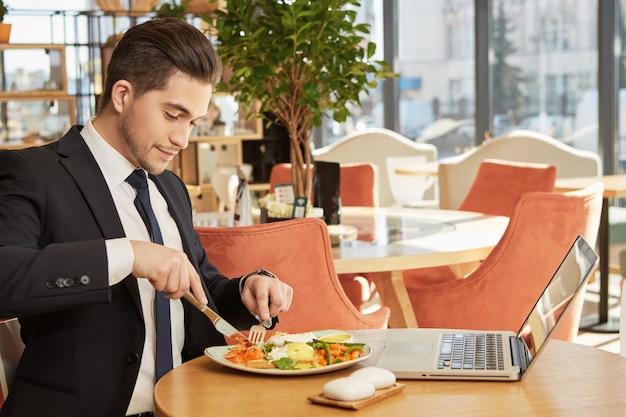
266,296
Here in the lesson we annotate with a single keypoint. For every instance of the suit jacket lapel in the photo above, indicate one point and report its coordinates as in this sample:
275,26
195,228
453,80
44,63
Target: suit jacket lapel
81,165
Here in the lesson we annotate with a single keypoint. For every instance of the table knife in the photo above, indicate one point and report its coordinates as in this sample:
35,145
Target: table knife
220,324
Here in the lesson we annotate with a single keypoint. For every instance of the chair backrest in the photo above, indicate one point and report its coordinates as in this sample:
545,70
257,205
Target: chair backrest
11,348
357,182
500,293
411,189
375,145
299,252
225,183
457,173
499,183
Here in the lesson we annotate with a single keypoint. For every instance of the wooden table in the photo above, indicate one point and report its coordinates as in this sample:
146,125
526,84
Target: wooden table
614,187
391,240
567,380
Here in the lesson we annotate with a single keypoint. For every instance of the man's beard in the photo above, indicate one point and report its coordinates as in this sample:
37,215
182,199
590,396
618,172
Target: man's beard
138,150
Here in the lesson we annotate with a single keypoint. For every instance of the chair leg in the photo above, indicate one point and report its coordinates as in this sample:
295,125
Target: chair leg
622,324
622,270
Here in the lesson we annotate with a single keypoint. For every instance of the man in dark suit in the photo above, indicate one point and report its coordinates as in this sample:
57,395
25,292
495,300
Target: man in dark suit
78,266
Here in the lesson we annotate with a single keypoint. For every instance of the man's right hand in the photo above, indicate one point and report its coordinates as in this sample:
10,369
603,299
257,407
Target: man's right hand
167,269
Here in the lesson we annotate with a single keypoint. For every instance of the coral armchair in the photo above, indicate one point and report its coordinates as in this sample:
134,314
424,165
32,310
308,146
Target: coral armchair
494,191
502,290
499,183
457,173
299,252
357,187
357,182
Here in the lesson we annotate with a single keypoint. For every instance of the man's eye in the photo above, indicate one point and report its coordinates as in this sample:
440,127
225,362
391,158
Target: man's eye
171,116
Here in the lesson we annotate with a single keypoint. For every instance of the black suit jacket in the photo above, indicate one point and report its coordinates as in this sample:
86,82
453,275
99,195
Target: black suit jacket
84,339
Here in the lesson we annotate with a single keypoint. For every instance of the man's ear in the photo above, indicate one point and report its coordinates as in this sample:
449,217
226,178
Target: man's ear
121,93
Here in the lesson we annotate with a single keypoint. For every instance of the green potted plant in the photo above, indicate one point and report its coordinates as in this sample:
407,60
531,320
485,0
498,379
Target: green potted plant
172,8
301,60
5,28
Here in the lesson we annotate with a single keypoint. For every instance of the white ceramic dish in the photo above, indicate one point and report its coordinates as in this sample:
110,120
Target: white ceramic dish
216,353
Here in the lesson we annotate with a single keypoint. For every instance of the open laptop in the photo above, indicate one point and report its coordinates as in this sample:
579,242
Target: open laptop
445,353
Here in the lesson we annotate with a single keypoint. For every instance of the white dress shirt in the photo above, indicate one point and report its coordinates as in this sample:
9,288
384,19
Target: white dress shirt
116,168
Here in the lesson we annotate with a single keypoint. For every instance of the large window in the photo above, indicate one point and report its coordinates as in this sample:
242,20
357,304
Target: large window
436,70
544,71
543,61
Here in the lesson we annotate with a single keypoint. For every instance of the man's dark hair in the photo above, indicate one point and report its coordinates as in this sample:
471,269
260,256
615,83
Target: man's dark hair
149,53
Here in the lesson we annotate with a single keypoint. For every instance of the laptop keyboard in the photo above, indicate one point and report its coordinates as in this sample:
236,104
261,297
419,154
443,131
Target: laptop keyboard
471,351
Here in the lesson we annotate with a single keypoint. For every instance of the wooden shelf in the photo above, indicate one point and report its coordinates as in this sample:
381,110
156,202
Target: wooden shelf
35,107
208,153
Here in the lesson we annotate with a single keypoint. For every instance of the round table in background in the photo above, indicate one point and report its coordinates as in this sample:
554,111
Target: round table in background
390,240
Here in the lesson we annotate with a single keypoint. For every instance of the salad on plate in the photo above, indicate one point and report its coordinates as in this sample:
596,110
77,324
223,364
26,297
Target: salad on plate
298,351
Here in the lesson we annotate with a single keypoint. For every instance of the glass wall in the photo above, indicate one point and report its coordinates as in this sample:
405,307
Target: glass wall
436,68
545,67
543,58
369,113
621,79
435,65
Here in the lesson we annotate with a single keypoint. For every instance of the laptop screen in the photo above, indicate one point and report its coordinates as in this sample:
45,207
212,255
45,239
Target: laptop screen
565,285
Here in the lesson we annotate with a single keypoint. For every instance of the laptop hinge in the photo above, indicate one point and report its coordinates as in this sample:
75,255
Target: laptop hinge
519,354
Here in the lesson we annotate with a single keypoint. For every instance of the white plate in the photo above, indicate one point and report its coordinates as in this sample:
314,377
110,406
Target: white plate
216,353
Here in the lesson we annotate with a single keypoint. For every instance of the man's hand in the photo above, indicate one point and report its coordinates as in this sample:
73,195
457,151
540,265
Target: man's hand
266,296
167,269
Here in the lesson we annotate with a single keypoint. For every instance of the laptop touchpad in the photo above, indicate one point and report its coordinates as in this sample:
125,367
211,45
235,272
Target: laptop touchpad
410,349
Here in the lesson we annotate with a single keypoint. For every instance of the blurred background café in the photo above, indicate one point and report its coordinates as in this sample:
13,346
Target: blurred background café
469,72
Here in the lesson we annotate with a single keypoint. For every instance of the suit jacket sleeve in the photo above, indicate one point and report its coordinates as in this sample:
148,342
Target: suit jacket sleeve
75,272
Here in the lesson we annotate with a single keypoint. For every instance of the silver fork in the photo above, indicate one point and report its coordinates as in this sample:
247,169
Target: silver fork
257,334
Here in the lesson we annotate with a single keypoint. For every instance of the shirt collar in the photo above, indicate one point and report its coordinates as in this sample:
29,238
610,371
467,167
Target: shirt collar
114,166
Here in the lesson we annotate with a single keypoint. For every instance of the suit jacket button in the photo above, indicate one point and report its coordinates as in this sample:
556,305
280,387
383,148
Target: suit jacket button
51,283
85,280
60,282
133,357
68,282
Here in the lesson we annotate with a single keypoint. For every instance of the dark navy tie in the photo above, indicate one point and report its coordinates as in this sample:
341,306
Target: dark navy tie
161,304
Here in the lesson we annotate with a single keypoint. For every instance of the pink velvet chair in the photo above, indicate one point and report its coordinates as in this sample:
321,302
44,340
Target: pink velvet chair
299,252
494,191
357,185
502,290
